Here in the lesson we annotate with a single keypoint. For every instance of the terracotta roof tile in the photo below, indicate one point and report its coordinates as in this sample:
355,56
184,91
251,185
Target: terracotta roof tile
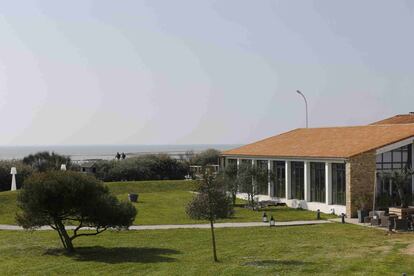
332,142
398,119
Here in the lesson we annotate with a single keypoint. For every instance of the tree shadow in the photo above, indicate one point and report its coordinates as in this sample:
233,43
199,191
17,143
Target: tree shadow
116,255
267,263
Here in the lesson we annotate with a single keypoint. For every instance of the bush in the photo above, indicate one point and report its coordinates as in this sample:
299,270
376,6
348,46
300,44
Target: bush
207,157
45,161
146,167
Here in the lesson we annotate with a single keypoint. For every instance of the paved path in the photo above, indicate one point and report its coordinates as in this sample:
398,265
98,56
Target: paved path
191,226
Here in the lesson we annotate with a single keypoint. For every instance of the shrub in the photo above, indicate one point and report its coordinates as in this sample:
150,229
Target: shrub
146,167
207,157
45,161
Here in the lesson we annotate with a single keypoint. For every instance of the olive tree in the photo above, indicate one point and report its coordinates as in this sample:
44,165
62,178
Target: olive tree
230,177
402,180
59,198
253,180
210,203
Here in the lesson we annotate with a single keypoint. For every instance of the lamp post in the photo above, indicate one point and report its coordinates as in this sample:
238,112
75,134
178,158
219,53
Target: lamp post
306,106
13,172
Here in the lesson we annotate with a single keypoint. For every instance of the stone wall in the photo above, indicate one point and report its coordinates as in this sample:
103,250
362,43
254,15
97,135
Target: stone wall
360,180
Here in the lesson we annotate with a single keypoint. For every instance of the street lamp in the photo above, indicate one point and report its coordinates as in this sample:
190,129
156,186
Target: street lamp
306,106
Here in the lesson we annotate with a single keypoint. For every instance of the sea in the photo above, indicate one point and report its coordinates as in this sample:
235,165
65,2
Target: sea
84,153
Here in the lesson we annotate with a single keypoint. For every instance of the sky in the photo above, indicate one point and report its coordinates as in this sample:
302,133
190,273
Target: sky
198,72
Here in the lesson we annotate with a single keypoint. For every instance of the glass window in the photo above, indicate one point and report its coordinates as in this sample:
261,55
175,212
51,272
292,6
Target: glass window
396,156
386,157
246,162
405,156
396,159
338,184
279,187
262,164
396,166
379,158
232,161
262,179
317,182
297,180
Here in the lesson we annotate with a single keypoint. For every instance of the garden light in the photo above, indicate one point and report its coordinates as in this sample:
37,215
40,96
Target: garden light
264,218
272,221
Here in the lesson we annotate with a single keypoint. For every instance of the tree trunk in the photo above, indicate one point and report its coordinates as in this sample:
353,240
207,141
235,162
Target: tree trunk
66,241
214,241
401,194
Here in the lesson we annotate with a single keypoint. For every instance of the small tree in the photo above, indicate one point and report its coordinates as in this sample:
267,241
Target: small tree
231,180
58,198
245,179
253,180
210,203
261,177
402,179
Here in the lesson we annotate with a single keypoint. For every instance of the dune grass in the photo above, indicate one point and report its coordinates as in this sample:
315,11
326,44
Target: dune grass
164,202
329,249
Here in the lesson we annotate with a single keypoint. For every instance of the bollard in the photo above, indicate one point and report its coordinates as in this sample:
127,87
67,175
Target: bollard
343,218
318,214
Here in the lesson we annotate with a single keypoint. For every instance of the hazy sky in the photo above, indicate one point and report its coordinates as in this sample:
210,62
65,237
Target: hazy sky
167,72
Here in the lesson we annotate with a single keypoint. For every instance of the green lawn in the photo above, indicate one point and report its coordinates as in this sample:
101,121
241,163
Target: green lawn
8,207
163,202
330,249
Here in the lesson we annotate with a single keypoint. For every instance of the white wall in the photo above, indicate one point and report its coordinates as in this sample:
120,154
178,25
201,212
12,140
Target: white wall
295,203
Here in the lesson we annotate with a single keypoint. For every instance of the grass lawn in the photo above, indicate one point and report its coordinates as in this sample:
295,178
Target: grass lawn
164,202
320,249
8,207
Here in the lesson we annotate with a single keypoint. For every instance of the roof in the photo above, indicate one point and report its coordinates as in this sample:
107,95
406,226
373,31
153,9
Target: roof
330,142
398,119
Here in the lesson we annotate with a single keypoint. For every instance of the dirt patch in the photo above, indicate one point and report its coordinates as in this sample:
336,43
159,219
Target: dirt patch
409,250
385,249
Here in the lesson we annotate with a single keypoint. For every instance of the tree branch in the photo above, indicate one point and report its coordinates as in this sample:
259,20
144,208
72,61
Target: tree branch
77,228
89,234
